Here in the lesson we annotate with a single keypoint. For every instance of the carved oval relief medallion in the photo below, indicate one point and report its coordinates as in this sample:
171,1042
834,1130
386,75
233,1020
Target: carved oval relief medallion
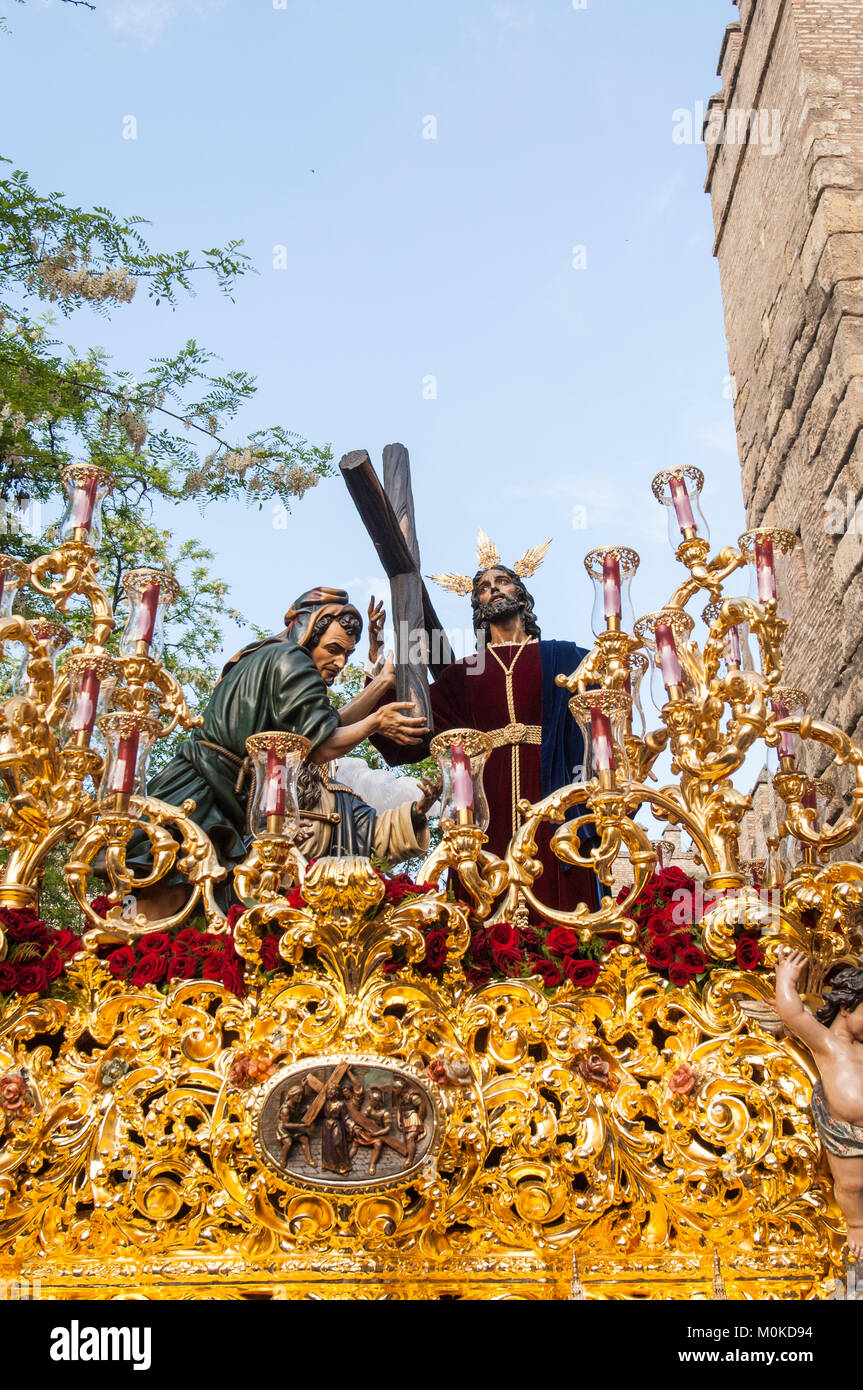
348,1123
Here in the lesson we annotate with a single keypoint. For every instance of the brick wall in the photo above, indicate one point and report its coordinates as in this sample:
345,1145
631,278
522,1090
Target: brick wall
788,215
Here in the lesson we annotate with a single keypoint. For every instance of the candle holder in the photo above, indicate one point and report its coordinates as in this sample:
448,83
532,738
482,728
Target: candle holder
661,633
276,758
461,755
129,737
86,489
150,592
679,491
768,551
92,679
737,649
786,701
604,717
611,569
13,576
53,637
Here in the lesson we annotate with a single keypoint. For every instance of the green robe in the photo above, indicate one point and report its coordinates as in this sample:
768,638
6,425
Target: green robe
273,687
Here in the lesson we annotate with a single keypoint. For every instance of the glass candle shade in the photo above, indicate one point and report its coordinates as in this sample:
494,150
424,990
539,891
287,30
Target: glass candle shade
603,717
92,679
787,702
86,489
819,794
737,648
679,491
128,739
638,664
13,576
53,637
461,755
149,593
768,551
611,570
661,633
274,808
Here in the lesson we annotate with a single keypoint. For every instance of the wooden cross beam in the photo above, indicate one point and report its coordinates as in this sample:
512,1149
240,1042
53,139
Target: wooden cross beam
387,513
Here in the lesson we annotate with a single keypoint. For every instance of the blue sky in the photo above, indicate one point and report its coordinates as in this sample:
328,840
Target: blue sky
557,388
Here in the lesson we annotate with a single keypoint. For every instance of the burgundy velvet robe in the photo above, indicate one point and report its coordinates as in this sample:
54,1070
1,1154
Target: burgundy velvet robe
471,694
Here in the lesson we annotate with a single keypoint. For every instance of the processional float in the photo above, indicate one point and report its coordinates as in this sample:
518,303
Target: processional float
311,1097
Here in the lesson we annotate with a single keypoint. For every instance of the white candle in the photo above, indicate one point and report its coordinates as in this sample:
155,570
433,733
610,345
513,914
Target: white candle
462,782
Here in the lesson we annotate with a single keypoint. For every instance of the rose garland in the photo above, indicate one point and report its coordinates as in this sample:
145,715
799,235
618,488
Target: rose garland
664,912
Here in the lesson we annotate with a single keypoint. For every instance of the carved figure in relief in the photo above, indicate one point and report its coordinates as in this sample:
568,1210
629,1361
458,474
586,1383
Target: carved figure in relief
290,1125
835,1038
335,1132
412,1116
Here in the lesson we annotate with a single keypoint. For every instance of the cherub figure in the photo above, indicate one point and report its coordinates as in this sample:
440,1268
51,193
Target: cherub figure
835,1038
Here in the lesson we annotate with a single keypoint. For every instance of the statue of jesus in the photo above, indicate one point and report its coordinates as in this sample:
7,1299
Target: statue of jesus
508,690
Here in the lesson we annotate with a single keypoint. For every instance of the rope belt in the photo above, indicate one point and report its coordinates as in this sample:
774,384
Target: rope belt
243,764
515,734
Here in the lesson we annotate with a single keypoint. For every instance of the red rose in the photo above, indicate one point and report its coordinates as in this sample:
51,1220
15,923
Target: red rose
611,943
673,877
659,954
53,965
659,924
390,967
749,952
694,959
582,973
502,936
19,916
436,949
182,967
121,962
680,941
67,941
508,959
8,977
33,930
478,976
32,979
102,905
150,970
479,950
186,940
678,973
270,958
215,942
562,941
296,899
232,977
156,944
235,912
212,966
550,973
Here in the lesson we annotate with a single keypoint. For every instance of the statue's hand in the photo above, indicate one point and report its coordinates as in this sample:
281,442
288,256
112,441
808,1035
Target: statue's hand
431,789
399,727
377,619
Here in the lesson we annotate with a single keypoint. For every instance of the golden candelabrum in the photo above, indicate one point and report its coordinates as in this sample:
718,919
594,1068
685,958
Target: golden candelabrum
359,1119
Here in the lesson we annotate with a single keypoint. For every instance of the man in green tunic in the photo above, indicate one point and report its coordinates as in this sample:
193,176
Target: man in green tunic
278,684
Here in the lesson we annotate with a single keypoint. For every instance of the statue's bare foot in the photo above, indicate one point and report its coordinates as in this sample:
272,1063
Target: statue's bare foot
854,1237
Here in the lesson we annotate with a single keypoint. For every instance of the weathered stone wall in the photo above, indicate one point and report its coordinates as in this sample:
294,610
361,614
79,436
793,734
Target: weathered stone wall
788,214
